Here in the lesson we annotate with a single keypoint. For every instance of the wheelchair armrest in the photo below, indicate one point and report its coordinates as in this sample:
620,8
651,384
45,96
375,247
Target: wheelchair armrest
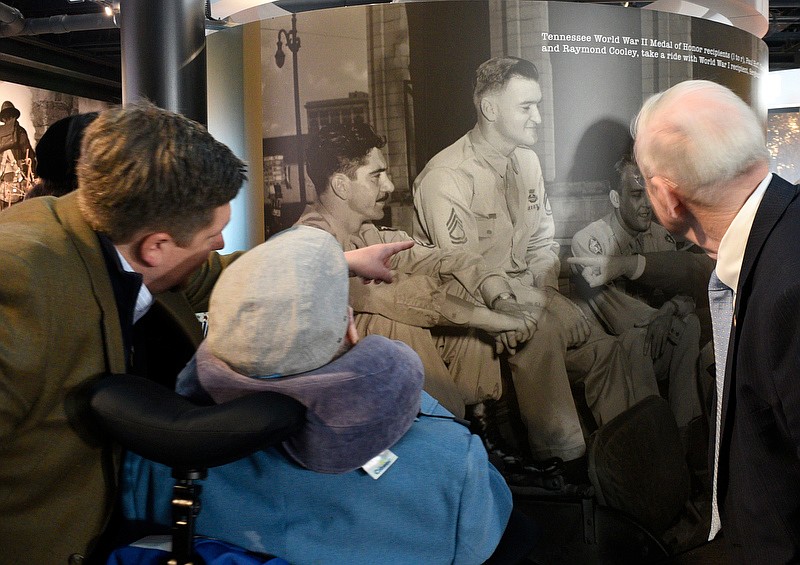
159,424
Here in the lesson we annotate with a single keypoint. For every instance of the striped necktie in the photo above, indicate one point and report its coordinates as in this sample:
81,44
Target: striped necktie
720,298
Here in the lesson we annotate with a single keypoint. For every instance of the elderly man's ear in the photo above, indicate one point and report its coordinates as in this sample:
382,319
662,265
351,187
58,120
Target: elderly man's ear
665,197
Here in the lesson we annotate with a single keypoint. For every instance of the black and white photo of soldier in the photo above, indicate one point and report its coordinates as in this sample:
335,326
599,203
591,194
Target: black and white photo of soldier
485,194
625,264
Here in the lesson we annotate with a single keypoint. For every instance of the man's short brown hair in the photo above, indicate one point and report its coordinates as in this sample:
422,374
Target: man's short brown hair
145,168
493,75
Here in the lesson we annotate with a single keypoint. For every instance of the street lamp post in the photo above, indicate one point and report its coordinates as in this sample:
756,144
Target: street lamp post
293,43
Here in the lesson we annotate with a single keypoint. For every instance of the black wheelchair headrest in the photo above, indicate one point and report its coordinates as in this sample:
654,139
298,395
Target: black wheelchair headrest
159,424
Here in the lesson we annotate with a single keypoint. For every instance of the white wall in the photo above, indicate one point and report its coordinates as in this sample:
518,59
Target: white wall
782,89
234,118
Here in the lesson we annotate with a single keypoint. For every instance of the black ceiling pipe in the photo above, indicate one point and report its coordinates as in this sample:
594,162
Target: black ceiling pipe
164,55
13,23
11,20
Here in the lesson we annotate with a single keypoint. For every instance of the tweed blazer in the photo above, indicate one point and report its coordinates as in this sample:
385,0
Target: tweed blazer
59,330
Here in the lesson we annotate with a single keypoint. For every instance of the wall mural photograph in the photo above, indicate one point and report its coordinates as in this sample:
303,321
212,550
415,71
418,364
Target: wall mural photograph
502,146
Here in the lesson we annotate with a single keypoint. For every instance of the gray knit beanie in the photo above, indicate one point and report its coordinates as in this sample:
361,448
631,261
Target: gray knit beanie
281,308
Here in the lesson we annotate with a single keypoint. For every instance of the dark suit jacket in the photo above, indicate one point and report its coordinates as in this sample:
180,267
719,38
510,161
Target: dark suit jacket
759,465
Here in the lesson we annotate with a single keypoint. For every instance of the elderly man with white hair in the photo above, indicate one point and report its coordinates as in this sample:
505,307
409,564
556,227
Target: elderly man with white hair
702,153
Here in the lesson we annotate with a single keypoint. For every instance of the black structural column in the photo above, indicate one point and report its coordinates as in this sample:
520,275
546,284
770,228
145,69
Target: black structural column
164,54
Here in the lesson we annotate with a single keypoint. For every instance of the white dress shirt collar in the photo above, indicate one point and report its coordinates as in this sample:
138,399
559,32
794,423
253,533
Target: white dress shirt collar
730,254
145,298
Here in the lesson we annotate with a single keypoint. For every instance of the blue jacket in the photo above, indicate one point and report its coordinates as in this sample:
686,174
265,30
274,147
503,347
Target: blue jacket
440,502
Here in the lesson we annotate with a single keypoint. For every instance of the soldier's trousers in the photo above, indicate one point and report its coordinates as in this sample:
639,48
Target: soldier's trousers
678,364
542,372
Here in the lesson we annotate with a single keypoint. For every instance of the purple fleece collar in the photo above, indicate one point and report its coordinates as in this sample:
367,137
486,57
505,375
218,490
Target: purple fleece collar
356,406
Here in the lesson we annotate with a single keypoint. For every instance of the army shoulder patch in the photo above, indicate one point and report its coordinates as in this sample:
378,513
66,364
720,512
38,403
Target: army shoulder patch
595,246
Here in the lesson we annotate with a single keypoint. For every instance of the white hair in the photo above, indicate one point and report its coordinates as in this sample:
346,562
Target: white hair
698,134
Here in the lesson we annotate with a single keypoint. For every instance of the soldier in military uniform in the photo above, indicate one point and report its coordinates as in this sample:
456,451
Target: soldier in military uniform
431,287
17,158
485,194
660,330
14,138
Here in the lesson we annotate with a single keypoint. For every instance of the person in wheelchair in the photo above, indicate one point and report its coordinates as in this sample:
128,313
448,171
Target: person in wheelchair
380,472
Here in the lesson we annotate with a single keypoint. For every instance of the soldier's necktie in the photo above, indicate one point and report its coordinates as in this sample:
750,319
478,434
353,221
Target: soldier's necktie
512,196
637,248
720,298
